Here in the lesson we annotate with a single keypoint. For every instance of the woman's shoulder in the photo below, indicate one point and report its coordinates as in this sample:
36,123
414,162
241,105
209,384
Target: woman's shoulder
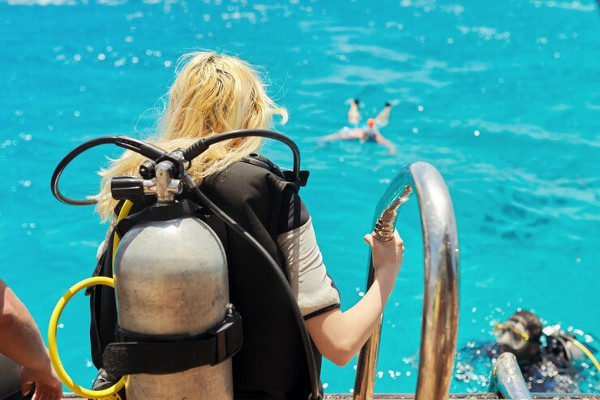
261,161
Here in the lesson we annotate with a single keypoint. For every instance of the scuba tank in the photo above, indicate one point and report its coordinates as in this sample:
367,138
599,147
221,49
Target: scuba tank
176,330
171,283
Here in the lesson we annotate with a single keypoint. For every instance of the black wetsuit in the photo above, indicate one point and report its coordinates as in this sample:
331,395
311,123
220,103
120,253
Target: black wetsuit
549,373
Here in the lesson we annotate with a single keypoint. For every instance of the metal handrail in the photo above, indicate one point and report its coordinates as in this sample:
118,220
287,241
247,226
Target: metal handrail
440,303
508,379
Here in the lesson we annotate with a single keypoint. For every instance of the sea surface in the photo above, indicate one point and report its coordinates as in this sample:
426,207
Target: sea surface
502,97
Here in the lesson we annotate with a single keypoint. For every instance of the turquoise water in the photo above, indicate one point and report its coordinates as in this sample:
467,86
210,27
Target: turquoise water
502,97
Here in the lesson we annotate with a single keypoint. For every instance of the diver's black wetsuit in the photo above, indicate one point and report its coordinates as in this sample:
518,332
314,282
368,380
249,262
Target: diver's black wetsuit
549,373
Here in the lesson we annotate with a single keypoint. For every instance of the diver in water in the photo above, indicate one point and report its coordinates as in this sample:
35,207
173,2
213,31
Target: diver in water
368,133
24,359
545,355
213,94
544,368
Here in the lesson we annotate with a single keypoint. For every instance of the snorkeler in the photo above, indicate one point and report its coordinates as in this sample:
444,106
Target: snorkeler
368,133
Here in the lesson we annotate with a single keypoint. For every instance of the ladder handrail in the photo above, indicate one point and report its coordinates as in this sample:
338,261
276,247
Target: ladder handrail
508,379
440,303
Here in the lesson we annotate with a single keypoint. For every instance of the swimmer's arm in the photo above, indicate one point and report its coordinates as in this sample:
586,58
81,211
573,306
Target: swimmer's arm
380,139
340,335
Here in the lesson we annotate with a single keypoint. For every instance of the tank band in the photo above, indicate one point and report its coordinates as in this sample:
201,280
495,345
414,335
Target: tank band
161,355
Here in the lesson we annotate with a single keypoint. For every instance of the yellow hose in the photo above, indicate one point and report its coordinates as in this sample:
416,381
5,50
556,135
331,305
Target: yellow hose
122,214
587,352
105,394
111,392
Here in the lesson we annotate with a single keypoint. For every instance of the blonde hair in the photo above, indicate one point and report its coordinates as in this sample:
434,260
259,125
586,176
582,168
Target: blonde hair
212,94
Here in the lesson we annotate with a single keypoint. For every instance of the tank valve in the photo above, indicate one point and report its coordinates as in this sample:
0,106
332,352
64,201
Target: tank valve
384,227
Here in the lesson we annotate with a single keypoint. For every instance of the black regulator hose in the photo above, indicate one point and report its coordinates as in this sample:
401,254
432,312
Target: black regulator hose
201,145
154,153
189,154
138,146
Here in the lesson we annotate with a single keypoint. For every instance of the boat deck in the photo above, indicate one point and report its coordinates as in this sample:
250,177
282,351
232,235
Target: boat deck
466,396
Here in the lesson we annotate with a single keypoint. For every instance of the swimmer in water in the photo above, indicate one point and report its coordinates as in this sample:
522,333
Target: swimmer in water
369,133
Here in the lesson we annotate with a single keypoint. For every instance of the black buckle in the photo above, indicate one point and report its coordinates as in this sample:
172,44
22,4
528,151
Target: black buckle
228,336
300,181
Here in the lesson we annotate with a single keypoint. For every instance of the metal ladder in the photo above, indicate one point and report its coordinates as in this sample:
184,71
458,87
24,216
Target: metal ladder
440,303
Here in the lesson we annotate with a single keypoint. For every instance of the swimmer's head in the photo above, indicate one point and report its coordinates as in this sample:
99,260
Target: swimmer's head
371,123
520,334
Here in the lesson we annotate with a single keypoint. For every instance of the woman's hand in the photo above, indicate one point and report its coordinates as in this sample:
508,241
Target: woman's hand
387,256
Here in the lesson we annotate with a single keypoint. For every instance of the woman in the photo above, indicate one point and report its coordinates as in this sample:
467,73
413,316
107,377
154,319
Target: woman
214,94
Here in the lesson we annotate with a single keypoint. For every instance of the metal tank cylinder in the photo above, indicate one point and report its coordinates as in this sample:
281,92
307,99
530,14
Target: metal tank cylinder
171,279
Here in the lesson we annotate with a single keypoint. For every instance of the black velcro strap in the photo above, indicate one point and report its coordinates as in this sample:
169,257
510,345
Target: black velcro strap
219,344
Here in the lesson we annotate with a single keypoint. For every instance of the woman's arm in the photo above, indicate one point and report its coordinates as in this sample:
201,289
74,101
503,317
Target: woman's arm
340,335
337,335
